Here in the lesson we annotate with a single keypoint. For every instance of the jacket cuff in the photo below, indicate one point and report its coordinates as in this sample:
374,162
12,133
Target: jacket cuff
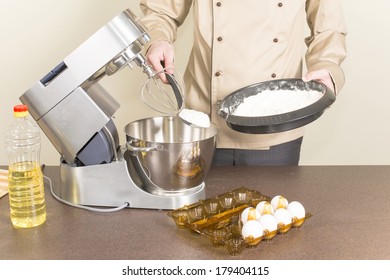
335,72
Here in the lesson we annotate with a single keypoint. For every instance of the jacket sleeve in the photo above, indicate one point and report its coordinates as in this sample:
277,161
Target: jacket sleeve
163,17
326,42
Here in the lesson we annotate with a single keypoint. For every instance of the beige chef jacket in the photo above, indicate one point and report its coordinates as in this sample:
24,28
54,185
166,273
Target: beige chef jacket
241,42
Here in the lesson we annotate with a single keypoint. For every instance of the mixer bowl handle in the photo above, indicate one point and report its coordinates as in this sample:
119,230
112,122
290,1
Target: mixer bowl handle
130,147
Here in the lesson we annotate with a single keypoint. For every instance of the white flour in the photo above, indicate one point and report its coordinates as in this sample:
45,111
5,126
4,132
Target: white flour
195,117
274,102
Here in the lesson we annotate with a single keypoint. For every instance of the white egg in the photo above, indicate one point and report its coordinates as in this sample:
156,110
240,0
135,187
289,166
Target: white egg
283,219
279,201
264,207
252,232
248,214
297,212
270,226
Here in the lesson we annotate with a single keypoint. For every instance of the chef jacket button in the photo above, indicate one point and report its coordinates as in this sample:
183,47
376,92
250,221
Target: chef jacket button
219,38
219,4
280,4
275,40
273,75
217,74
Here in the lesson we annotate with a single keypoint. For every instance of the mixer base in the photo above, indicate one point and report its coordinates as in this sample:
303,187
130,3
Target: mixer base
110,185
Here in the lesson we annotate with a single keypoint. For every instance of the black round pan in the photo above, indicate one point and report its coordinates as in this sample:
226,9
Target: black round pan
280,122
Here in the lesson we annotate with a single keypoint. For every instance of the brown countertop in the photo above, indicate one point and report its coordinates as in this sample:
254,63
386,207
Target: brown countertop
350,208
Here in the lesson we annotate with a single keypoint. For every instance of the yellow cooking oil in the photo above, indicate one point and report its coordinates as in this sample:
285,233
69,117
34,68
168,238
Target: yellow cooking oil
26,194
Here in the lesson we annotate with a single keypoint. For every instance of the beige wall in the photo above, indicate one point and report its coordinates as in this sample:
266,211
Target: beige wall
36,35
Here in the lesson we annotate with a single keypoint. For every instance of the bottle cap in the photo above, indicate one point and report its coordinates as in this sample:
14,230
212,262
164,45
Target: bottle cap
20,111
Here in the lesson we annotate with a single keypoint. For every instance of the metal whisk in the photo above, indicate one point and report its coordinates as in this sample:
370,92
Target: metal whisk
163,98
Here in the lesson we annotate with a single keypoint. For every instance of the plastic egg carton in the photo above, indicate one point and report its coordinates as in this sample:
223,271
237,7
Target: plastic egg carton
219,218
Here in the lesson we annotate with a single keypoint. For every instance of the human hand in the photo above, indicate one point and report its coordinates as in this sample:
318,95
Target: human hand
322,76
160,55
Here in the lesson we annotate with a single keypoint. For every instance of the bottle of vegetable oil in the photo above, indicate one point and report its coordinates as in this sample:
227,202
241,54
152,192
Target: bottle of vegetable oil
25,178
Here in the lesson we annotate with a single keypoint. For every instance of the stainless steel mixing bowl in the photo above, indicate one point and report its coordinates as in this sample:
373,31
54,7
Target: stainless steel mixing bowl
168,155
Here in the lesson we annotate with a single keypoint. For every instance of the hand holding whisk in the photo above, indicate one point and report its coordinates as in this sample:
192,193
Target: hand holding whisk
157,96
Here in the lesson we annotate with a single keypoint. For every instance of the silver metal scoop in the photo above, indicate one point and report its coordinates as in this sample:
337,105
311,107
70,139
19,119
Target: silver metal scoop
179,97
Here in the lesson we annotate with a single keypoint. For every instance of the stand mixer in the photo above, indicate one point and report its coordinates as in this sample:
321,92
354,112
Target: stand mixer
75,112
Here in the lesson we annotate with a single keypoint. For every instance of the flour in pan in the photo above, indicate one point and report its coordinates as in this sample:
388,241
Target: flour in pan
274,102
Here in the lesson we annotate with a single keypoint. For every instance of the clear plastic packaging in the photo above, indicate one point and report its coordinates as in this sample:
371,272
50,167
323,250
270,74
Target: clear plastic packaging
219,218
25,178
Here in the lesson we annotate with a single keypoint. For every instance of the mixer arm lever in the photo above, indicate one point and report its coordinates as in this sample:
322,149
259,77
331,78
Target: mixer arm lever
53,73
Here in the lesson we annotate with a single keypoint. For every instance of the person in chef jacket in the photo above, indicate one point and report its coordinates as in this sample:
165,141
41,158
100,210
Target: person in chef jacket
239,43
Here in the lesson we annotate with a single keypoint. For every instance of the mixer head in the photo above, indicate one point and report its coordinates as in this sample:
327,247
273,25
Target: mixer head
72,108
